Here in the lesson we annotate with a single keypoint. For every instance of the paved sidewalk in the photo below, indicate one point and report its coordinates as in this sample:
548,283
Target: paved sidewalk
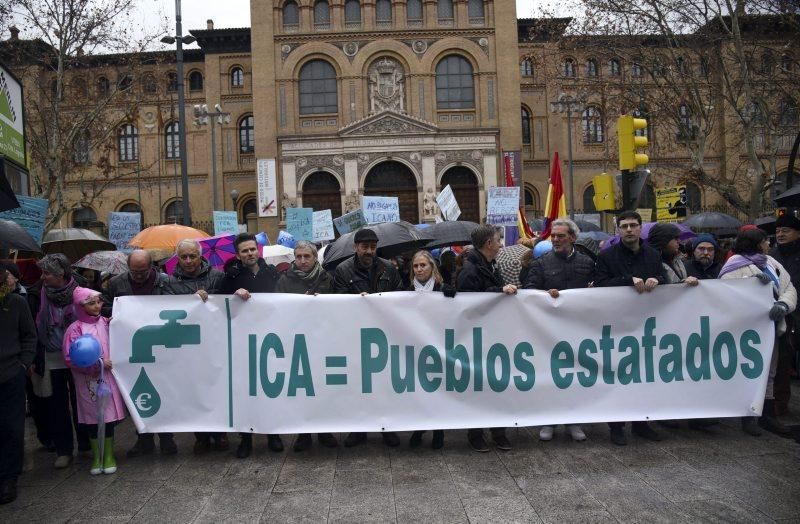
720,475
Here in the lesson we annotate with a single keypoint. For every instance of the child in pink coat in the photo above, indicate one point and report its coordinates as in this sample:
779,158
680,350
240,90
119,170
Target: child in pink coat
88,304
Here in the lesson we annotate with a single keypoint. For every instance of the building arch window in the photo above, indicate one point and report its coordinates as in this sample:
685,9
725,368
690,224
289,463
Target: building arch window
531,199
321,190
80,152
173,212
103,86
682,65
591,68
588,200
125,83
130,207
694,197
237,77
767,64
788,113
787,63
128,143
172,83
414,13
636,70
291,16
526,127
352,14
476,12
592,125
705,67
568,68
247,135
614,67
318,92
248,210
444,12
756,113
383,13
172,142
84,217
454,83
195,81
79,88
686,128
149,84
526,67
322,15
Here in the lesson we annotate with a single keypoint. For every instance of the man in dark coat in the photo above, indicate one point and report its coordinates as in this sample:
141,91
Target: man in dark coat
363,274
141,279
702,264
194,276
306,277
16,355
480,274
250,274
787,252
630,263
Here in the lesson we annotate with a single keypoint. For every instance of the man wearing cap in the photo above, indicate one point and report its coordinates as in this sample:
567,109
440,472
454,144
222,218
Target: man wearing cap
787,252
703,264
362,274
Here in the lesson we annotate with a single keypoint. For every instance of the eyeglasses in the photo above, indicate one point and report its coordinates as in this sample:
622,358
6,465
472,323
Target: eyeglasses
633,225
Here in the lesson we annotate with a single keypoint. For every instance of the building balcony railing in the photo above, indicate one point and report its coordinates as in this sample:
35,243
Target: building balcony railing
447,22
414,22
291,28
477,20
383,24
352,25
322,26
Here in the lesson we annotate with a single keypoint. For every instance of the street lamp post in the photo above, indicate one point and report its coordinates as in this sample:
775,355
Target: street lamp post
235,198
201,117
179,40
569,104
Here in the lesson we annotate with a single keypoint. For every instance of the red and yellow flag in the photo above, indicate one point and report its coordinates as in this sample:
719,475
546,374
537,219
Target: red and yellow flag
556,206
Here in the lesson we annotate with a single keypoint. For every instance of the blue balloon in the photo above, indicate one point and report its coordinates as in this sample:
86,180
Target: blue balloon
85,351
545,246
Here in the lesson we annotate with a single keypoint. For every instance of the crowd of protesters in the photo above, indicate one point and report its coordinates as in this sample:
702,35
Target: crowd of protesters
40,324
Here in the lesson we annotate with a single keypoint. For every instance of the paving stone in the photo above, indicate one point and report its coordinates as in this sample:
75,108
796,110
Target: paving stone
557,493
121,499
362,495
175,503
511,508
307,471
234,497
297,507
678,482
665,513
580,517
724,511
372,454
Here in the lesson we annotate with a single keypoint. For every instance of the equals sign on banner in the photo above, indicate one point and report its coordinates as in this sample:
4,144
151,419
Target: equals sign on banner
336,379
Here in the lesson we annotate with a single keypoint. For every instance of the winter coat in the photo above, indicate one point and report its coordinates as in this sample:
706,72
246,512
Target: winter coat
351,278
786,292
788,255
478,274
696,269
291,283
19,336
617,265
120,286
207,279
674,272
238,276
555,271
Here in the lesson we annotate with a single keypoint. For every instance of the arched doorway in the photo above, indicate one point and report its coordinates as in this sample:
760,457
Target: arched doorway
395,179
465,188
321,190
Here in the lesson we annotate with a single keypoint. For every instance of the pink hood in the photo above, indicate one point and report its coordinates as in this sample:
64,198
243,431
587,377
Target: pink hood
82,294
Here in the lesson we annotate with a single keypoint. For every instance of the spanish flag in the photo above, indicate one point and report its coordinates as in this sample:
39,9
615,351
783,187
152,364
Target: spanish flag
556,206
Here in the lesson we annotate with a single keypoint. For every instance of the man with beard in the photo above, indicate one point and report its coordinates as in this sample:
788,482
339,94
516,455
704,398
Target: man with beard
306,277
249,273
362,274
141,279
702,264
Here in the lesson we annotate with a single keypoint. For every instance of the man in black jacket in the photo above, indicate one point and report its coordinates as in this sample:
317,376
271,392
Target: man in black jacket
16,356
480,274
363,274
141,279
630,263
250,274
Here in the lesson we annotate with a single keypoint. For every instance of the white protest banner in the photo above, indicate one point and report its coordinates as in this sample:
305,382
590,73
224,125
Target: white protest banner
282,363
447,203
350,222
380,209
226,222
300,223
323,225
267,187
122,227
502,206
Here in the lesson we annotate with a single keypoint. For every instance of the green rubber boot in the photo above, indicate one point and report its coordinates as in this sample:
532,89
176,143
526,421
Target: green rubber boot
109,463
97,467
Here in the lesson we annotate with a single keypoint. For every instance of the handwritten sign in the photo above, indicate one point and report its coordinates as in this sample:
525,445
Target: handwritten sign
502,206
352,221
448,204
323,226
300,223
267,188
31,215
226,222
381,209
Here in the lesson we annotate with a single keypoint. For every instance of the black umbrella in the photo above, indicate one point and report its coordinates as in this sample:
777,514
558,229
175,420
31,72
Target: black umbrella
766,223
75,243
394,238
14,236
712,220
454,233
789,198
587,226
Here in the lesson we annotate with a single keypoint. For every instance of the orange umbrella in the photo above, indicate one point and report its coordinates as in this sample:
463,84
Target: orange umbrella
165,237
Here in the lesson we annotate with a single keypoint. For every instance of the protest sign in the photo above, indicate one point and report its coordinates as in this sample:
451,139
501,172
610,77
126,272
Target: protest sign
267,187
350,222
381,209
286,239
502,206
122,227
407,361
31,215
323,226
300,223
670,203
447,203
226,222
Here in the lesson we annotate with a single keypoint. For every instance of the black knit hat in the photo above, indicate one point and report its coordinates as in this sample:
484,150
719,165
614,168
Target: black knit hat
661,234
365,235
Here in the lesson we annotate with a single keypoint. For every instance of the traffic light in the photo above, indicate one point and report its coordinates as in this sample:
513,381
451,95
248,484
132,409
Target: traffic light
604,193
629,159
